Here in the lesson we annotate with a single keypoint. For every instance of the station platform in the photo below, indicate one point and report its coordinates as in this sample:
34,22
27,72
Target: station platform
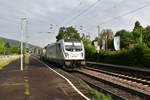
35,82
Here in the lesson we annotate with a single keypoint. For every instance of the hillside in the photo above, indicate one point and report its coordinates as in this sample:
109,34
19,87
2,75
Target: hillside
15,42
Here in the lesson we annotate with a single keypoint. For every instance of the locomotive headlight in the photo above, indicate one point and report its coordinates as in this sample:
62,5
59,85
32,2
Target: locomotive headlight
66,55
81,54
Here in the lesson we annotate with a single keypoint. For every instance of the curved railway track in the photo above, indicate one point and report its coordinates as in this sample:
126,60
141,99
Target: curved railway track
121,87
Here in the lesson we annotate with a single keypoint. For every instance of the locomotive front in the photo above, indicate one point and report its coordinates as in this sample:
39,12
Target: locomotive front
74,53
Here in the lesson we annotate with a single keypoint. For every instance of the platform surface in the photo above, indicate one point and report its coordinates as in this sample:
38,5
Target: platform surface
36,82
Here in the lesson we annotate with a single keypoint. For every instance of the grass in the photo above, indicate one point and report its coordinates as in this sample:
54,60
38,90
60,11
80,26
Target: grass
4,62
96,95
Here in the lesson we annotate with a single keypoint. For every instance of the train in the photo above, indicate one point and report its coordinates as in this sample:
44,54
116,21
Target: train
68,53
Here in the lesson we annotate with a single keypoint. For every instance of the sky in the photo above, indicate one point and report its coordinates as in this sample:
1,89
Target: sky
44,14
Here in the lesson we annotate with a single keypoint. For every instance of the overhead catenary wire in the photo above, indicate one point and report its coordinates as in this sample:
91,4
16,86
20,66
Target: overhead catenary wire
125,14
68,14
84,11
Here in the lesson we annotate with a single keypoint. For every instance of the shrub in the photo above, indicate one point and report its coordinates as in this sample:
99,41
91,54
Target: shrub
137,56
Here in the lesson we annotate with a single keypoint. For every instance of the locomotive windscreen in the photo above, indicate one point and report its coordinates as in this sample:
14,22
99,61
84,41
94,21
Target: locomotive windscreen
73,45
72,40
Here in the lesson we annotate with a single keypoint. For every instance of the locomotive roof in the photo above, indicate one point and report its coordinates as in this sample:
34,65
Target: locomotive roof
72,40
69,40
65,40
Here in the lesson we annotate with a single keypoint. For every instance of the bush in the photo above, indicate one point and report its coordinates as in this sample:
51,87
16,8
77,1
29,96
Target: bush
137,56
89,52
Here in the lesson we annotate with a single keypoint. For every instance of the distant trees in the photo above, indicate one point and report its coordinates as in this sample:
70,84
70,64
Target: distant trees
136,36
15,49
6,48
107,35
67,33
138,55
126,38
2,46
146,36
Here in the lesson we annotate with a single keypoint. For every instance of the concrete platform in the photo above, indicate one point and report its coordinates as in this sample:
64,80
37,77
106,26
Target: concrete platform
36,82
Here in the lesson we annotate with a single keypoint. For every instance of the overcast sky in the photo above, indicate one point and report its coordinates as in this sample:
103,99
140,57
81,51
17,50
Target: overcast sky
42,13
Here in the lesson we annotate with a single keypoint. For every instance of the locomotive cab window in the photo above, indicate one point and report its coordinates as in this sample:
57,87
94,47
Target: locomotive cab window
72,46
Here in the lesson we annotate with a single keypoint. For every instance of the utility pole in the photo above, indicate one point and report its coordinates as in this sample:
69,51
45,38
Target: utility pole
98,36
23,28
26,35
98,30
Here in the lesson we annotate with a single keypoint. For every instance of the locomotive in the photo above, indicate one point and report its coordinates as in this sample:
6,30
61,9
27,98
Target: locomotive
66,52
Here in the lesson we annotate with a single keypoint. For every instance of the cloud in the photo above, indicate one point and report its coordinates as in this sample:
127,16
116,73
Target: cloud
42,13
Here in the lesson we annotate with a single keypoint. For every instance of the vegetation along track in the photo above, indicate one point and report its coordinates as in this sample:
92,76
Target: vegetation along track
121,88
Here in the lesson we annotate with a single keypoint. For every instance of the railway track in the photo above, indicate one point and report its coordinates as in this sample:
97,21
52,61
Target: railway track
139,73
126,77
121,87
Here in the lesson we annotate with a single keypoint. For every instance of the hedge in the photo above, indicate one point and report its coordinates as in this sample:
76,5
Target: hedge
137,56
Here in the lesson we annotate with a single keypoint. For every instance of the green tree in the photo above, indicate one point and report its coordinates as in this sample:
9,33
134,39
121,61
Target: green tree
7,45
99,40
2,46
146,36
137,25
89,48
107,35
125,38
15,49
138,32
67,33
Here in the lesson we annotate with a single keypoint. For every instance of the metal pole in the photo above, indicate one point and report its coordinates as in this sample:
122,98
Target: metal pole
98,31
21,44
22,40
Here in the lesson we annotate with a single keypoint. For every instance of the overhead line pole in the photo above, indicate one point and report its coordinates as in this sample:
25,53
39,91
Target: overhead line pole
23,22
21,44
98,30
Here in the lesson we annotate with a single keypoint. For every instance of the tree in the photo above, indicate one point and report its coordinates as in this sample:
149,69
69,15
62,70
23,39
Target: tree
137,25
2,46
107,35
15,49
99,40
7,45
89,48
146,36
138,32
67,33
125,38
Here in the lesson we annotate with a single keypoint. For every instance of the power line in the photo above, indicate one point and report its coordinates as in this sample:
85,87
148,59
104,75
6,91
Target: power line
112,7
84,11
127,13
68,14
